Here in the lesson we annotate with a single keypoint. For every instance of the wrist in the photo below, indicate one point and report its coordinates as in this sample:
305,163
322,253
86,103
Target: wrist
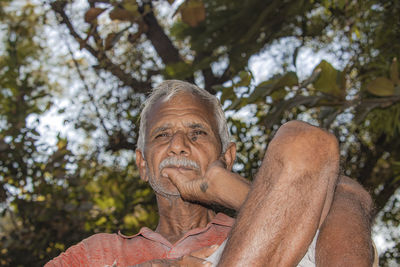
228,189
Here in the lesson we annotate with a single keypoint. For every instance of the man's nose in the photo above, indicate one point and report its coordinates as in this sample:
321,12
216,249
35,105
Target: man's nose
179,145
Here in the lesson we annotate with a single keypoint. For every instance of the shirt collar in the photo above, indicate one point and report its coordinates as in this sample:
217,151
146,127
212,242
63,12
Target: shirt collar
219,219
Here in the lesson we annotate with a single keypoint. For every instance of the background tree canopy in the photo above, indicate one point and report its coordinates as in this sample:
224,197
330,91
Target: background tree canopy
90,63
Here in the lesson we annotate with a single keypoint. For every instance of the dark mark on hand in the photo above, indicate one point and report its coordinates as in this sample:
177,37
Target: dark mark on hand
204,186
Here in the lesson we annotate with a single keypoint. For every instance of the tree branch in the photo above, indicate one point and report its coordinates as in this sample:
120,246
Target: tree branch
161,42
209,78
91,97
104,62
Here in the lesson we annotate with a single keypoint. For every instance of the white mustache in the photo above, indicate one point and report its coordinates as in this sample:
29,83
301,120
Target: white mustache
178,162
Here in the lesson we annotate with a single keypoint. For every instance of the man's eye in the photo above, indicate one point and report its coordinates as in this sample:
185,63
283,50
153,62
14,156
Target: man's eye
199,132
196,134
162,135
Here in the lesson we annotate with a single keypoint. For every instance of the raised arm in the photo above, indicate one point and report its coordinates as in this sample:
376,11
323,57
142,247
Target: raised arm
288,200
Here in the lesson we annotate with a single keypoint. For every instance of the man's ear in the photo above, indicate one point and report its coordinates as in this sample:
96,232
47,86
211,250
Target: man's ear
141,164
230,155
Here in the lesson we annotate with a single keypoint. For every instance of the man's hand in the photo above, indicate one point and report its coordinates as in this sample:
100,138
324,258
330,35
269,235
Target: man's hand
193,186
194,259
217,186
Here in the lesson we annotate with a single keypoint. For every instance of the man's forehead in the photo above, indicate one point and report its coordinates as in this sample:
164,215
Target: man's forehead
201,114
177,97
180,100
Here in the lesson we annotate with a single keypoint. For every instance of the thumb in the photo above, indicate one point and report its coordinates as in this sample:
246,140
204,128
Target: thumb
188,184
174,175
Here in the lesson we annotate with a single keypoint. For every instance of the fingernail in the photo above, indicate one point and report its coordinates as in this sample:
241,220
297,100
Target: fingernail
207,263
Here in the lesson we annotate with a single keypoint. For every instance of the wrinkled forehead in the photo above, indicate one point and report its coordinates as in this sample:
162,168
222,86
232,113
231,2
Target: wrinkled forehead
182,102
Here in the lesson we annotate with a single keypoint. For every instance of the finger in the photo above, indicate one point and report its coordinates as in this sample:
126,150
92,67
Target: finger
204,252
174,175
190,185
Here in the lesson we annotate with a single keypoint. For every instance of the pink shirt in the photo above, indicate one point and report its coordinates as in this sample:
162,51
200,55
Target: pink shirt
109,249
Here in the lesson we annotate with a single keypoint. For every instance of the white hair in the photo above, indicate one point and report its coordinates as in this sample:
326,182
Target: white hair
171,88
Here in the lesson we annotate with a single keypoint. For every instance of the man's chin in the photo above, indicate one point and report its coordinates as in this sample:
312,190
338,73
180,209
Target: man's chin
161,190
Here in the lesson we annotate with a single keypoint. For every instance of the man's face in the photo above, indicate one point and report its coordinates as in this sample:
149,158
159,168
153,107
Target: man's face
181,133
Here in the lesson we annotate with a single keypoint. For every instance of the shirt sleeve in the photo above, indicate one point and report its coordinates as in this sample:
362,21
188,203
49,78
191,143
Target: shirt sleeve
74,256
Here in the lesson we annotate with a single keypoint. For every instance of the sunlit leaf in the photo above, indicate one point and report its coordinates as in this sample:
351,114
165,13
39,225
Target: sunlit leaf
131,221
329,79
132,7
62,144
101,221
278,94
381,86
179,70
245,79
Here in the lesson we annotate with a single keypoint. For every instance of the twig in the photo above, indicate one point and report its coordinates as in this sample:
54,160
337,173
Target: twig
106,63
91,97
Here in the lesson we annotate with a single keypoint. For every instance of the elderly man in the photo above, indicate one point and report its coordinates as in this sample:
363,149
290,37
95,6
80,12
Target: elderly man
298,211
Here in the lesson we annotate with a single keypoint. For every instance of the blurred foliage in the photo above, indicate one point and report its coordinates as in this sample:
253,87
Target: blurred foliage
102,57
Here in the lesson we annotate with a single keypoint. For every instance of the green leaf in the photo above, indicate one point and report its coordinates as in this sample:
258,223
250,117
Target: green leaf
178,70
278,94
381,86
341,4
245,79
268,87
289,79
263,89
132,7
227,93
329,79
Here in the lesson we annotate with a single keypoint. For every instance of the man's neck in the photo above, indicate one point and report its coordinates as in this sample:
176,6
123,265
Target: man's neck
178,217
